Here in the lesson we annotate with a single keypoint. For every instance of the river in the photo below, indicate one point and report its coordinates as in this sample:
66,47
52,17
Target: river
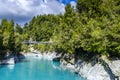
36,69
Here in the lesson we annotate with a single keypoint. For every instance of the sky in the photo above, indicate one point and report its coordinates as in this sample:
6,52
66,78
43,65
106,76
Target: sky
22,11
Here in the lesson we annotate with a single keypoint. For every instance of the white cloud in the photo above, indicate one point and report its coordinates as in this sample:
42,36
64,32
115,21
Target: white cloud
29,8
25,9
73,3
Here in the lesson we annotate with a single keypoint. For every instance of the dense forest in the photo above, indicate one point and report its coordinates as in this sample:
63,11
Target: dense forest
92,28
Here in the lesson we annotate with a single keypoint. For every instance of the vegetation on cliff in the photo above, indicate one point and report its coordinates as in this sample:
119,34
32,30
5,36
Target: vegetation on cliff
92,28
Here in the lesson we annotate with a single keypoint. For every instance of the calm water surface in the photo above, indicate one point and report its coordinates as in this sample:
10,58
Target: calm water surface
36,69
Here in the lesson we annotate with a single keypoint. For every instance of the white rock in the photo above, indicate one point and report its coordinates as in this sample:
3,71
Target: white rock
8,61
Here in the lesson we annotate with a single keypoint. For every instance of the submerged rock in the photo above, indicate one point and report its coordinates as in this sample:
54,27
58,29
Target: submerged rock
16,60
57,59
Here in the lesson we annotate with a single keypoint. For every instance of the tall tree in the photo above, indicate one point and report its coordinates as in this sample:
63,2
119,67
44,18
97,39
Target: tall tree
18,29
1,38
12,36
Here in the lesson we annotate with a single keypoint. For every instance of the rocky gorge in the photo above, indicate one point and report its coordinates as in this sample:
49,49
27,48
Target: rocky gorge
97,69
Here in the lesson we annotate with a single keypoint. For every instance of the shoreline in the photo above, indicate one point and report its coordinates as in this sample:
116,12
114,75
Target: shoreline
90,71
101,70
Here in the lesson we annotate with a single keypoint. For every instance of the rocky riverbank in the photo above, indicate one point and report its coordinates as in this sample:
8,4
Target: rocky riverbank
11,59
37,54
96,69
100,69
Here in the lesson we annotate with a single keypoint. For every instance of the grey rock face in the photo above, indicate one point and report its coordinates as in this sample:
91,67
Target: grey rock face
95,71
115,67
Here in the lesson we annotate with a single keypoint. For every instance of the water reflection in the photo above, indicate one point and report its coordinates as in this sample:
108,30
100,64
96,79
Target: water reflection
10,67
56,65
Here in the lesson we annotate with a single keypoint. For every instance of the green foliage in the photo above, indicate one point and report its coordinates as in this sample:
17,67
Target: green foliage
18,29
101,26
92,29
1,38
9,40
18,42
7,34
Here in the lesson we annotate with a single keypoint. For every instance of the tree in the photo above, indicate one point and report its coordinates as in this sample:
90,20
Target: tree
18,43
18,29
4,25
8,34
11,41
93,29
1,38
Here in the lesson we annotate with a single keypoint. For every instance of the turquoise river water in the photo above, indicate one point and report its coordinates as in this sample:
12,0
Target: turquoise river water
36,69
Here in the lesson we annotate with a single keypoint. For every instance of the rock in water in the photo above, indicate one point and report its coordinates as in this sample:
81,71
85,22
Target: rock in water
57,59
